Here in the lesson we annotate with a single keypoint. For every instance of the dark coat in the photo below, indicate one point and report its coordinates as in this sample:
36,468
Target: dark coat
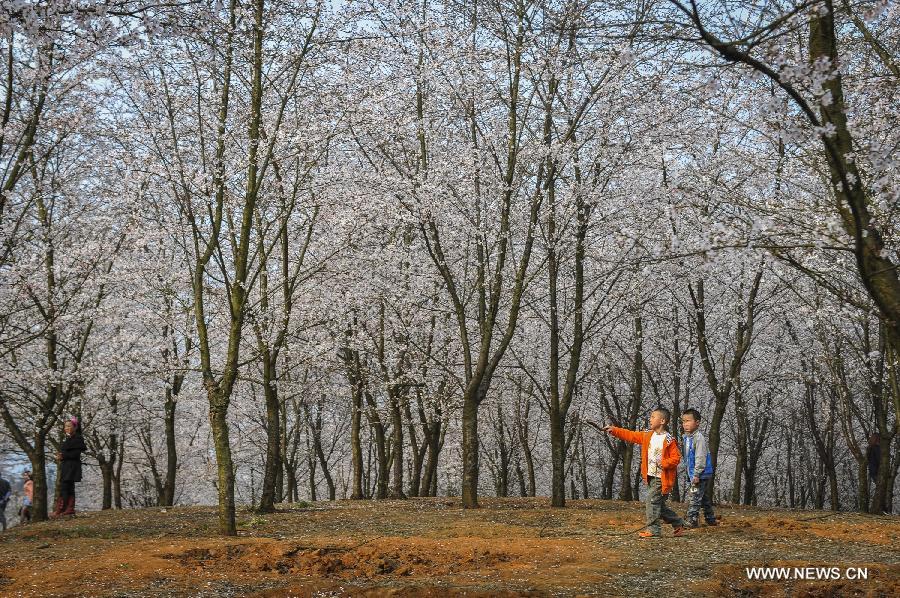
873,456
70,467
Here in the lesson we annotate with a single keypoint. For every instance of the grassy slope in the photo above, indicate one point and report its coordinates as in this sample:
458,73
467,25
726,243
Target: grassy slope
432,547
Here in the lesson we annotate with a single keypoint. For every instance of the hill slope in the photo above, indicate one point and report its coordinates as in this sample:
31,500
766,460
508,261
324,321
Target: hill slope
432,547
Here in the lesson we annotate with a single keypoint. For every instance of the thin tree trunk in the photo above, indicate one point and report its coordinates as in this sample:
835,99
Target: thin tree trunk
741,446
396,489
171,450
609,479
381,492
625,491
311,468
582,465
117,477
273,434
470,451
356,445
39,477
290,476
429,478
416,451
316,430
529,467
225,467
520,478
106,473
792,499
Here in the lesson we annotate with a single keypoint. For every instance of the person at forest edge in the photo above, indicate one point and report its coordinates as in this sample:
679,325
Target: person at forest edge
873,456
69,458
27,498
698,461
5,493
659,467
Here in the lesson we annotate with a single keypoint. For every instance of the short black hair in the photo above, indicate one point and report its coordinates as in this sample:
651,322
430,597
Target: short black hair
693,413
665,412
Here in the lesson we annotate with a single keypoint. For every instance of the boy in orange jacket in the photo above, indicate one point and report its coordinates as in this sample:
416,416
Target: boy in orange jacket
659,466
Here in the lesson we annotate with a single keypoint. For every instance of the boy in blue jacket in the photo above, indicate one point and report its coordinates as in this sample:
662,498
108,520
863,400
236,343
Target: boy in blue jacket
699,470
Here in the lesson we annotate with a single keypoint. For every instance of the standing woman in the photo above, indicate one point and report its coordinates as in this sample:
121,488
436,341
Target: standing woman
27,498
69,467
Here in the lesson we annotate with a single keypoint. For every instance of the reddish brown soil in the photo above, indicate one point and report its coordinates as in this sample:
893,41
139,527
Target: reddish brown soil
432,547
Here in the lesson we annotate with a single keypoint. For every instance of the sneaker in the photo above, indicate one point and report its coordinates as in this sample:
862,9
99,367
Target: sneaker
679,531
712,523
647,535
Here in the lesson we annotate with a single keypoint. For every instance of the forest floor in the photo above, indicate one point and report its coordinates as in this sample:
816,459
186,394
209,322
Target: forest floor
432,547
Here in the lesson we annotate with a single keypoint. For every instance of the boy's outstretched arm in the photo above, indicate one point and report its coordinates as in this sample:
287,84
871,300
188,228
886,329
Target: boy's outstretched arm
626,435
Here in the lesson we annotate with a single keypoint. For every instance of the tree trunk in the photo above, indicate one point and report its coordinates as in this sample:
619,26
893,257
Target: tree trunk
117,478
520,478
171,451
636,488
279,479
523,409
316,428
106,472
557,458
311,468
884,482
582,465
676,427
352,367
892,478
273,435
368,482
886,433
821,482
609,479
417,451
715,439
290,475
750,488
470,450
741,446
396,489
39,477
356,445
625,489
429,478
834,497
224,465
381,491
792,499
415,470
434,482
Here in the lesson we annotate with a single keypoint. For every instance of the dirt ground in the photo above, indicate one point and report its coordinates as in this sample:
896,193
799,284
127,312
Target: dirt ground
433,547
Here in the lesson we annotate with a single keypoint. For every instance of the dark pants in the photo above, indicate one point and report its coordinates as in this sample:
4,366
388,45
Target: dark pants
66,489
658,509
698,499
